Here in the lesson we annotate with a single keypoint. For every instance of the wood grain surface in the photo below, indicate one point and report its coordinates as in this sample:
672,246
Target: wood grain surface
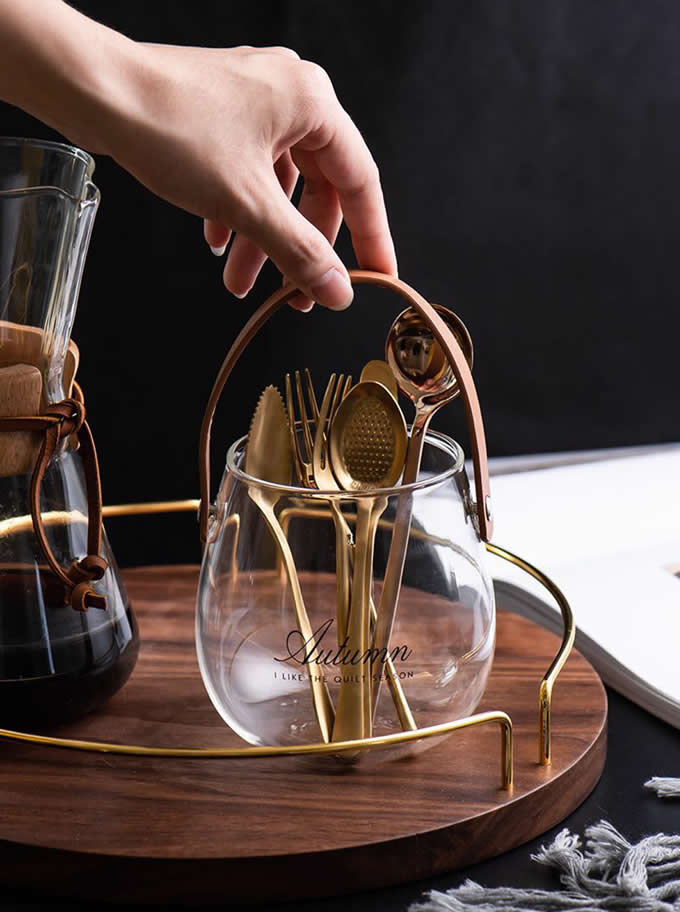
20,393
95,826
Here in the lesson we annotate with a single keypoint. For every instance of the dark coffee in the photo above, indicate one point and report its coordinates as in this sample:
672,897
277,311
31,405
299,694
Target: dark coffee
57,664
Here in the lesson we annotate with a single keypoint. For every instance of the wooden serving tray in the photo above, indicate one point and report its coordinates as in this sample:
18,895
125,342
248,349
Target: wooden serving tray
135,829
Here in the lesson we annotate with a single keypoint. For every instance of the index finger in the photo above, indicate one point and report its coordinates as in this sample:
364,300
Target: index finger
347,164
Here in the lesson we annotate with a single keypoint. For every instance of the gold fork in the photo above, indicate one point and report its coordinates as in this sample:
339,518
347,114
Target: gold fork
325,481
302,460
303,446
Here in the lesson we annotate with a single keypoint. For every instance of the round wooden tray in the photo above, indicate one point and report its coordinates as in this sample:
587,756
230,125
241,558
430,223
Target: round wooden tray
136,829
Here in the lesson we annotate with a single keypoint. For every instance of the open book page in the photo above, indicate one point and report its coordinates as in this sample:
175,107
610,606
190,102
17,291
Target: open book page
608,533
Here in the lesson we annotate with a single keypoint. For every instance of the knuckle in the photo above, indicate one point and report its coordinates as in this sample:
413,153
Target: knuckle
315,79
304,254
285,52
372,178
368,182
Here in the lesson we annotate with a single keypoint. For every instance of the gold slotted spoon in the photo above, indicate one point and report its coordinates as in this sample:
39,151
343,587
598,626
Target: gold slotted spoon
367,448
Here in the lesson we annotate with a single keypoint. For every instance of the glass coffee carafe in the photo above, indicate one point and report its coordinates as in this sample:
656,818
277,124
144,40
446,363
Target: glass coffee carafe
68,638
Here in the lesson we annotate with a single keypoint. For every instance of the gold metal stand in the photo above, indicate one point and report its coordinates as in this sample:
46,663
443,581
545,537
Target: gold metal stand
568,634
382,741
433,731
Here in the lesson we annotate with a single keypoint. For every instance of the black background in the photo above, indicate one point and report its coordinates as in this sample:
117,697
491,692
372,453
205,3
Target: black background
529,156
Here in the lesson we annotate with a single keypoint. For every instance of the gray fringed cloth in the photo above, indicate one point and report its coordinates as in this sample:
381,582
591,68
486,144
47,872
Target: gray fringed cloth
610,875
664,788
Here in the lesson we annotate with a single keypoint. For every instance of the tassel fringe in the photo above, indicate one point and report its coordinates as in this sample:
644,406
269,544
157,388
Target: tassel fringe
611,874
664,787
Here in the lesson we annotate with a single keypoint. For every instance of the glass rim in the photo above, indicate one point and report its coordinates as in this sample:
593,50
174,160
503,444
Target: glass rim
53,146
435,438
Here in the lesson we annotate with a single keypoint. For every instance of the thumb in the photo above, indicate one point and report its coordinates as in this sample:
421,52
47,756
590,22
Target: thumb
299,250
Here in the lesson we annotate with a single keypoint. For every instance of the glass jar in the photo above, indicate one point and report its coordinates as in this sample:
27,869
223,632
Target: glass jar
258,664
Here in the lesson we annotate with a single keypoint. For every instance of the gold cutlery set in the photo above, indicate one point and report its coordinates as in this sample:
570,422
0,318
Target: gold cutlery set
356,442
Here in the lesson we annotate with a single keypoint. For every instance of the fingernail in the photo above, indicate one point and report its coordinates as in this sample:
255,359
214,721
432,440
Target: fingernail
218,251
333,290
301,303
240,296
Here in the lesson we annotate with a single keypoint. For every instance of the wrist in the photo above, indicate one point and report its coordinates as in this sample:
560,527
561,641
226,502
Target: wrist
65,69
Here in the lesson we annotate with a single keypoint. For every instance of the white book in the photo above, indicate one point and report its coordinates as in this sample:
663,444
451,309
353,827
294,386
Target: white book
608,534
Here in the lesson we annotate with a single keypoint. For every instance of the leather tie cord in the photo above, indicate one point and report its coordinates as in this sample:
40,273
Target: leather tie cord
59,421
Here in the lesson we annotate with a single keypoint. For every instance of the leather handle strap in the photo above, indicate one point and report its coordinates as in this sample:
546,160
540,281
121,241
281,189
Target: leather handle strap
61,420
442,334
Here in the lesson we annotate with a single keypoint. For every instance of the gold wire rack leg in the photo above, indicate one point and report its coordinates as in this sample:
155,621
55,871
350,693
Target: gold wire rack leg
568,634
156,506
382,741
361,744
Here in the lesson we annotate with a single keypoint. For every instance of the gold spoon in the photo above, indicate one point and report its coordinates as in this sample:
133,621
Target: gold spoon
269,457
381,372
344,540
367,450
424,374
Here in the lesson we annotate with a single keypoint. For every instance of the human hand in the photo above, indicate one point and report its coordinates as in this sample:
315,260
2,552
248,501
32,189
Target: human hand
220,133
224,134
